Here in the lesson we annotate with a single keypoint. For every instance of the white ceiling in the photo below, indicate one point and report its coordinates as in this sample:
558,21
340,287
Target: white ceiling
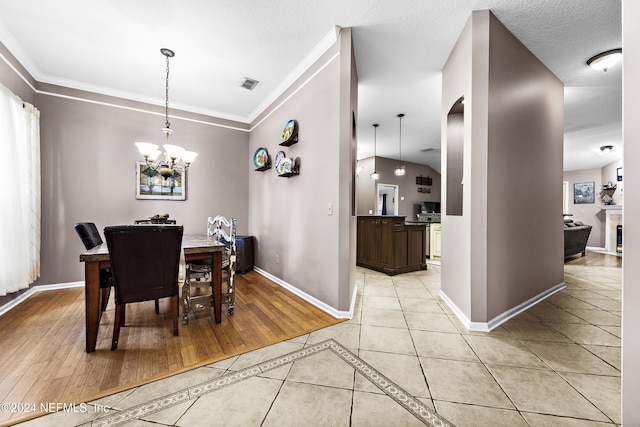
401,46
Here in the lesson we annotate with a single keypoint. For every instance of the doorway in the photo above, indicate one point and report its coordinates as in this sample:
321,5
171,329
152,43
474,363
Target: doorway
387,199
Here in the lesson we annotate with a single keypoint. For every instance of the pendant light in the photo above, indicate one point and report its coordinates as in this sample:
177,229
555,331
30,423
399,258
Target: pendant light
375,175
400,171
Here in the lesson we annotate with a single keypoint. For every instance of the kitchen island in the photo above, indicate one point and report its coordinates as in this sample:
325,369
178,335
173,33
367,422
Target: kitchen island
390,244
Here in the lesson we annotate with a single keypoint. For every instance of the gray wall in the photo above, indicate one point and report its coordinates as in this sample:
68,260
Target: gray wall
631,206
524,171
593,214
589,213
456,242
88,174
88,169
509,140
610,173
407,187
289,216
12,80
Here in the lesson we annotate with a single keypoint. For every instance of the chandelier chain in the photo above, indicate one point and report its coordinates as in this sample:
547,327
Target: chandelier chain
166,105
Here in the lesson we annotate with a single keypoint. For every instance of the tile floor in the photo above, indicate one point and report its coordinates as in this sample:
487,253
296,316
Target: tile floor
403,360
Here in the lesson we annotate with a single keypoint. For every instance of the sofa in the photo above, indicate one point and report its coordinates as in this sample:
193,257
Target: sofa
576,235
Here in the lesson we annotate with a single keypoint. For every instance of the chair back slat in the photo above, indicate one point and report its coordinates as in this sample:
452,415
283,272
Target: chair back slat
88,233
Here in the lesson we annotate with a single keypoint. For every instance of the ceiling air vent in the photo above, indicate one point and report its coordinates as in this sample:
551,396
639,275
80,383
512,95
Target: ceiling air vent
249,83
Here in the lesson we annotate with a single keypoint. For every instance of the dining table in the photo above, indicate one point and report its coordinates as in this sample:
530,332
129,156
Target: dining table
195,247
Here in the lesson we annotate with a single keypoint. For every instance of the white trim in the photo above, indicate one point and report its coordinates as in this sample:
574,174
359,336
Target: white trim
501,318
352,306
14,302
327,41
459,314
274,109
140,110
310,299
15,70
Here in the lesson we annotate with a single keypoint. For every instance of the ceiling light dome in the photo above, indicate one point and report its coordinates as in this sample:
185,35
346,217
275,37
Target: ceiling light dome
605,60
606,149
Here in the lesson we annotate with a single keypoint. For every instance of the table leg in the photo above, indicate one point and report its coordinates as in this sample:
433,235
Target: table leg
92,303
217,286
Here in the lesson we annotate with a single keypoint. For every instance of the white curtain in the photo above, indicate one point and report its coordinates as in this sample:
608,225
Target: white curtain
20,193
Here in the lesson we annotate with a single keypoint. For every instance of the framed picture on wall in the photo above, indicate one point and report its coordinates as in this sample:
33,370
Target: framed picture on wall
619,173
584,192
150,185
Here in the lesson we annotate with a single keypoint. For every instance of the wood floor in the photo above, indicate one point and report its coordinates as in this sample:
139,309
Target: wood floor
42,342
595,259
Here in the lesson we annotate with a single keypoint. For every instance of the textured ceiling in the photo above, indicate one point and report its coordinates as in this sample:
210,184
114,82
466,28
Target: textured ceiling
113,47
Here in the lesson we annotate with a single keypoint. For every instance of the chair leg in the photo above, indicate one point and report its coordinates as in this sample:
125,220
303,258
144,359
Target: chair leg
175,308
185,298
118,321
157,308
106,292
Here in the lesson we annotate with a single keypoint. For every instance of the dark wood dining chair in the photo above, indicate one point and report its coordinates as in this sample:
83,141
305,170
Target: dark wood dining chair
90,237
144,263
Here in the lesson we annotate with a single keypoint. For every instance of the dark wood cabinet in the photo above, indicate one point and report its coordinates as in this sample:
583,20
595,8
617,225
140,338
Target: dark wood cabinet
388,244
244,253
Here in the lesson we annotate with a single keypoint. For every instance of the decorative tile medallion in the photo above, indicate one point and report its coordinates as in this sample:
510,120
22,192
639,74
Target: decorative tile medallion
422,412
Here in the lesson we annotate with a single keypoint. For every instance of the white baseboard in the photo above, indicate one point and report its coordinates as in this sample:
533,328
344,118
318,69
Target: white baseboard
501,318
14,302
310,299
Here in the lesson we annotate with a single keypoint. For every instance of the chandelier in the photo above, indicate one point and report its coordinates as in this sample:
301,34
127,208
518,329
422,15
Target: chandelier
176,158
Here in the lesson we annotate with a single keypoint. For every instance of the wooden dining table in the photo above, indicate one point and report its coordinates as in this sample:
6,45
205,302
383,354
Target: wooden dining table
195,247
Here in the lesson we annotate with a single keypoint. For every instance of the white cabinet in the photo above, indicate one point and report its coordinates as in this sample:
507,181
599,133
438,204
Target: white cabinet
434,240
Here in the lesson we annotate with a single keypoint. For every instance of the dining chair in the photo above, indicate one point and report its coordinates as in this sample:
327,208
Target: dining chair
90,237
144,263
198,274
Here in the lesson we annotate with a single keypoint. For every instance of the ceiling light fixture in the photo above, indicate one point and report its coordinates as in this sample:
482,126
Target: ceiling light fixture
605,60
374,174
400,171
606,149
176,158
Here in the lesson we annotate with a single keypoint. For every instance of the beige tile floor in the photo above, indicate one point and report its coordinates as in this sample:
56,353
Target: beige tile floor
403,358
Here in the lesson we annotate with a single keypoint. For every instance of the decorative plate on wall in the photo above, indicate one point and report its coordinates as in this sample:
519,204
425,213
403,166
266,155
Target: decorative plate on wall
285,166
290,133
261,158
279,156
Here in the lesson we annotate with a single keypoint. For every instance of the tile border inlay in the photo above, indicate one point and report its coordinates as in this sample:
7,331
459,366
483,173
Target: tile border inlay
425,414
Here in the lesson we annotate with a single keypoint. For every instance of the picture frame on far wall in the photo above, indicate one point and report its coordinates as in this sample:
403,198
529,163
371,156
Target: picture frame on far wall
584,192
150,185
619,173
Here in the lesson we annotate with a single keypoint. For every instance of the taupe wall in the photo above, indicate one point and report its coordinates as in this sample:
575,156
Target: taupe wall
631,206
610,173
589,213
12,80
297,240
513,135
456,241
88,174
88,170
526,129
407,187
